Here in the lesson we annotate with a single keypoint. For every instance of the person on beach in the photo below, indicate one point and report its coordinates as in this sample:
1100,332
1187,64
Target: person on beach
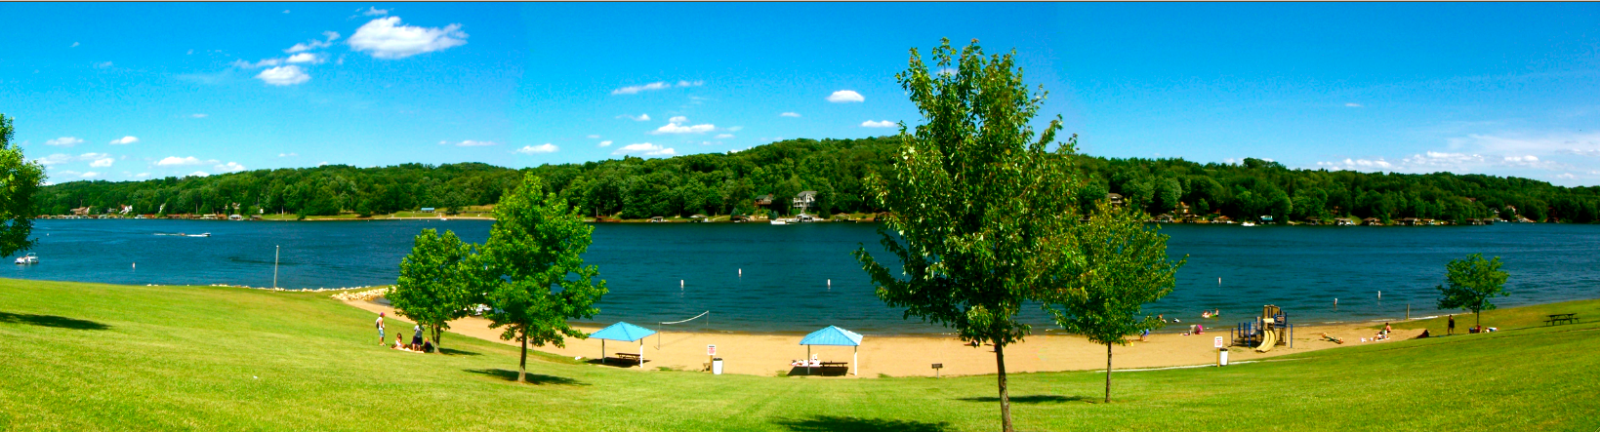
380,328
1450,328
1144,335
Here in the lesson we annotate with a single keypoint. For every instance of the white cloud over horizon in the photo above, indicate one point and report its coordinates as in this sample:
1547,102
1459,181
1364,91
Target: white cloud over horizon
283,76
328,36
469,143
845,96
606,143
229,167
102,162
877,124
65,141
385,38
130,139
645,149
180,161
538,149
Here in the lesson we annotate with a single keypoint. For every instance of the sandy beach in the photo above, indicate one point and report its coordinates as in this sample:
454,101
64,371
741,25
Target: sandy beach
913,355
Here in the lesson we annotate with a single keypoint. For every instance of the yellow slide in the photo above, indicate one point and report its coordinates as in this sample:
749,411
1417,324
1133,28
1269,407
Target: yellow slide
1269,339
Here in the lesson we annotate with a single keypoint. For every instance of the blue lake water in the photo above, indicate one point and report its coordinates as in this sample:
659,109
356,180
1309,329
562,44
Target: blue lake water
787,270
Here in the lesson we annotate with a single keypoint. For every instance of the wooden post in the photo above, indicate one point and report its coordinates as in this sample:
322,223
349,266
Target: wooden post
1408,311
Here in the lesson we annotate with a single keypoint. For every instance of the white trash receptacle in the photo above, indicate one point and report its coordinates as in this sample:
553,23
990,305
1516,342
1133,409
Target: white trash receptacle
716,367
1222,357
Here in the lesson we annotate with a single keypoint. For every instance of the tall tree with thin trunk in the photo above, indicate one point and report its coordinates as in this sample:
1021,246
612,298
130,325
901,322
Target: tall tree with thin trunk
1473,283
19,181
437,281
979,209
1121,265
533,262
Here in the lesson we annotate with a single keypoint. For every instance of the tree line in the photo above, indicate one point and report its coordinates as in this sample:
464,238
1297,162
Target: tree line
728,183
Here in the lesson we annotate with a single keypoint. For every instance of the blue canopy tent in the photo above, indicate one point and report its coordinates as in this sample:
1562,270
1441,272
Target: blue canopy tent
622,331
835,336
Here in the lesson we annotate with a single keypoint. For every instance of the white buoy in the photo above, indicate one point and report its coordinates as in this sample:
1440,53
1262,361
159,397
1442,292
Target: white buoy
680,283
135,265
830,283
1380,295
741,272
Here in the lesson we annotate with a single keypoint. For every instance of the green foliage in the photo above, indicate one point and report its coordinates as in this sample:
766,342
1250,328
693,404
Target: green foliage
535,248
1473,283
19,183
1121,265
979,209
438,281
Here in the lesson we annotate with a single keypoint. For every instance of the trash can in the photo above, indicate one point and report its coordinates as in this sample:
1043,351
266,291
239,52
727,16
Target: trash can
1222,357
716,366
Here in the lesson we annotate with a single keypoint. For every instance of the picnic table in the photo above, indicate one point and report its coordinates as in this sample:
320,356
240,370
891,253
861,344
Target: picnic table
1568,318
628,357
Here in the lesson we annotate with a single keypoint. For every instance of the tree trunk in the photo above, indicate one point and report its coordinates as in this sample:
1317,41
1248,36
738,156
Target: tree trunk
1108,373
1477,319
522,368
438,343
1005,398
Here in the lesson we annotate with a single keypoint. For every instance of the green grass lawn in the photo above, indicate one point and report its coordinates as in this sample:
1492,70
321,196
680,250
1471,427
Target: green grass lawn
84,357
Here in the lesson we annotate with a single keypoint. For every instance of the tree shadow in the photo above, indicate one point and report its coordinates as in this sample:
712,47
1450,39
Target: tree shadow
1029,399
819,371
533,378
854,424
615,362
448,351
51,321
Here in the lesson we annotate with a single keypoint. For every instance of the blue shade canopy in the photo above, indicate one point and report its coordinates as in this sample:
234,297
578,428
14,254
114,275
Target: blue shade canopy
832,336
622,331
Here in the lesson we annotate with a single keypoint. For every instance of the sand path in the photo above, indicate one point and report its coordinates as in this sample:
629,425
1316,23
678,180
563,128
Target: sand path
767,354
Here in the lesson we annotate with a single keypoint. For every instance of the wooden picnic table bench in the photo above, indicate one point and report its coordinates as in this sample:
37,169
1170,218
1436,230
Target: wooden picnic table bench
631,357
835,364
1568,318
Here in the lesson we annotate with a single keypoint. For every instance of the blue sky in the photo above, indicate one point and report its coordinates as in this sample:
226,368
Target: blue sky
130,91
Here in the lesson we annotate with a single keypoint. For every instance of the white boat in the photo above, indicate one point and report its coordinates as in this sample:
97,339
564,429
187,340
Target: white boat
779,222
196,235
1248,224
30,258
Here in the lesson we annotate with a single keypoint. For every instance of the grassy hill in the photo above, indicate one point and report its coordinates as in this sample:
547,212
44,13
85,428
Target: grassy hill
85,357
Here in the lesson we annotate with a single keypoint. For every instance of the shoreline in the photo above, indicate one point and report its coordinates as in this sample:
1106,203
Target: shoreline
905,355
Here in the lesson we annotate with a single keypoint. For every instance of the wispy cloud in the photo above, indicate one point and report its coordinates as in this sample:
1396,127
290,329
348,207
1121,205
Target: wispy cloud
1352,105
538,149
198,174
130,139
675,126
304,57
469,143
288,154
283,76
197,115
102,162
386,38
58,158
606,143
789,114
877,124
229,167
844,96
181,161
65,141
645,149
373,11
658,85
328,36
724,136
640,117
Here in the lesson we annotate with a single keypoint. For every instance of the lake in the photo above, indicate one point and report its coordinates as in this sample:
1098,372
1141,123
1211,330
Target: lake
757,277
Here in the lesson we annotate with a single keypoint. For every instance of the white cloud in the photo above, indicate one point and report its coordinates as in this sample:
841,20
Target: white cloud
142,175
639,88
229,167
674,128
542,148
288,154
606,143
843,96
258,64
645,149
789,114
877,124
470,143
735,128
65,141
677,119
373,11
593,136
74,45
198,174
197,115
385,38
1567,176
283,76
179,161
304,57
314,44
90,174
641,117
102,163
323,163
55,159
130,139
104,65
724,136
691,83
1352,105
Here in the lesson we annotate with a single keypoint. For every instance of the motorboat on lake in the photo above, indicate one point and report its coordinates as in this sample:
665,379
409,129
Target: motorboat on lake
30,258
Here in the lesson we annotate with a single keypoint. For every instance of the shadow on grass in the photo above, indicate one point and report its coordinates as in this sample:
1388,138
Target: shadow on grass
1029,399
853,424
448,351
819,371
533,378
614,362
51,321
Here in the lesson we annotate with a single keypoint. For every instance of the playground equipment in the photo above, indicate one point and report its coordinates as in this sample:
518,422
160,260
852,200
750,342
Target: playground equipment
1269,330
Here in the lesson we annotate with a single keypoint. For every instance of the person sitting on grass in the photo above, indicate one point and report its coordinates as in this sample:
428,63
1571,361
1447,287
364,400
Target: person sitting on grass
427,345
399,344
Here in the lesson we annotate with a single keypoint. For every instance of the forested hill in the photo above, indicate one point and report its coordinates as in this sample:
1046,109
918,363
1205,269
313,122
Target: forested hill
835,169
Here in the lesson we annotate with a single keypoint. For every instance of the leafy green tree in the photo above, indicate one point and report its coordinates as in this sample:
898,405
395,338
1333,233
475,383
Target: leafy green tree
19,181
436,282
978,209
1473,283
535,265
1121,265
